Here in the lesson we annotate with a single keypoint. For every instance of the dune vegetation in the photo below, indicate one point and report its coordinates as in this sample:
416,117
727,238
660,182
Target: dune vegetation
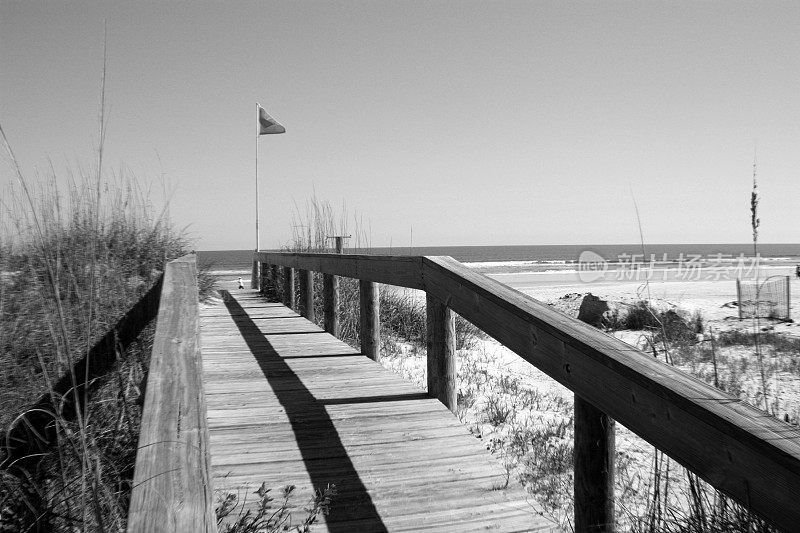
77,251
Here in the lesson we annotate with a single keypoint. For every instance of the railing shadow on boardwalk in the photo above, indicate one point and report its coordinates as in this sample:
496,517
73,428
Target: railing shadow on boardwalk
312,428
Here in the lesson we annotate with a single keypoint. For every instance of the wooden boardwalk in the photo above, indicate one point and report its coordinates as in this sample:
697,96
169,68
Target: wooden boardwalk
288,403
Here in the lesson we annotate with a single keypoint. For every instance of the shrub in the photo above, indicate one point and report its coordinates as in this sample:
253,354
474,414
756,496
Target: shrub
641,316
269,517
667,326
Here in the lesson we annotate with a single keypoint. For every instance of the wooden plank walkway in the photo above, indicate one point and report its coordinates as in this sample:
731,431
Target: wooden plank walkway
288,403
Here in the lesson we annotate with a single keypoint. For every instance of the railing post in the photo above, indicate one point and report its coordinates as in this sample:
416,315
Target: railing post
269,288
369,299
288,287
594,468
441,343
275,277
254,274
330,293
307,294
263,278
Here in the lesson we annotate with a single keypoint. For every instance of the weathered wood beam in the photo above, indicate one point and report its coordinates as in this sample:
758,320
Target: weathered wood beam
441,352
263,278
369,299
172,480
401,271
594,469
330,295
288,287
307,294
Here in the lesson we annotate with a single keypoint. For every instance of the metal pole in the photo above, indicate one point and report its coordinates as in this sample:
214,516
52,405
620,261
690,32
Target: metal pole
255,273
258,236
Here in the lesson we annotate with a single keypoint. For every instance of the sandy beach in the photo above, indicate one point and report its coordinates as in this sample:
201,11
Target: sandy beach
713,297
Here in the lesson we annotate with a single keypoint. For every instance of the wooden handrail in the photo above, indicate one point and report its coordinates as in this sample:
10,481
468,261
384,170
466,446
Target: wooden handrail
172,478
402,271
35,432
740,450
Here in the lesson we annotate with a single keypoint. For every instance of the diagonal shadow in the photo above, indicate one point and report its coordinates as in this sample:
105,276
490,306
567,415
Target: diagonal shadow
376,399
312,428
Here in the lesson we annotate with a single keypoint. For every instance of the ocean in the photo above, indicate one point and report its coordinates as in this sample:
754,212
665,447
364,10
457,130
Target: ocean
558,258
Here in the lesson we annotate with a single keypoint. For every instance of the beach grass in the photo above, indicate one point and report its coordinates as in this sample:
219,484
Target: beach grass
76,252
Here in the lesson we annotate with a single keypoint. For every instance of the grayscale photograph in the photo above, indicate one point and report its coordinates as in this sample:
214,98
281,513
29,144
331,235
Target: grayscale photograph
400,266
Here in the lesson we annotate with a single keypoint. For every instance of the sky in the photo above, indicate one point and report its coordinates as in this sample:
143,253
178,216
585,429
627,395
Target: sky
460,123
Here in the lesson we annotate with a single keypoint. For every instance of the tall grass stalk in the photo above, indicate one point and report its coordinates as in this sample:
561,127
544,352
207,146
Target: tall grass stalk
755,222
656,504
402,311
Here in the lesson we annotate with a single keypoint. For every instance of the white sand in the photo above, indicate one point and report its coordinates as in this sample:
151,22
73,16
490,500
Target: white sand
712,298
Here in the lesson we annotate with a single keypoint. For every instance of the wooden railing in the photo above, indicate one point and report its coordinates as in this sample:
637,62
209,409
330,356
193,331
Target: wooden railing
34,433
744,452
172,480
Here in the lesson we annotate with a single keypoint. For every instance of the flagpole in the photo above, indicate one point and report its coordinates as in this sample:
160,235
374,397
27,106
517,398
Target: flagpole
267,126
258,235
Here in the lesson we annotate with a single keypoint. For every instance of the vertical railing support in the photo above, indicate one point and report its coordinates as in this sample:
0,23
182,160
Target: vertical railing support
369,298
441,343
263,278
270,287
594,469
274,276
307,293
288,287
254,274
330,294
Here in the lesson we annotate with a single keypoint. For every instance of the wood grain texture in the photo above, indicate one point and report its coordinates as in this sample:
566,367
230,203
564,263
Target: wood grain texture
288,287
441,344
594,456
740,450
370,320
330,305
289,404
307,294
402,271
263,283
594,469
172,483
